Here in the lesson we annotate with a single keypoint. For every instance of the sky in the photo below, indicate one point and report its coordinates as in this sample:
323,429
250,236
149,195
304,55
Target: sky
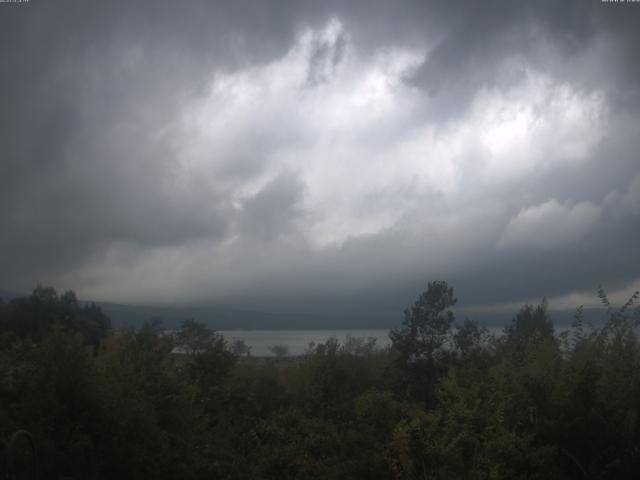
328,157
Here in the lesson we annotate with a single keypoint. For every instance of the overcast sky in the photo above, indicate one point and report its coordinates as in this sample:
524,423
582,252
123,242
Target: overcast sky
319,155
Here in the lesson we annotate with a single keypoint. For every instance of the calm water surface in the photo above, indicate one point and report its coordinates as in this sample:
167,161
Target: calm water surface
298,340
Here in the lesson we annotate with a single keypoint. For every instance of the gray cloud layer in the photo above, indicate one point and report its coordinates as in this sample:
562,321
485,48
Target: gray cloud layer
324,155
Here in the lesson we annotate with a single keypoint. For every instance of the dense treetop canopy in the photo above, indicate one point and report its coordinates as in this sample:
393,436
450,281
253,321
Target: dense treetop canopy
444,401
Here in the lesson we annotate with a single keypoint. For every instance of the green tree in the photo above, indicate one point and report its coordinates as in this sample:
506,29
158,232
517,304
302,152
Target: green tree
420,341
280,350
151,419
208,357
240,348
293,445
35,316
471,341
530,324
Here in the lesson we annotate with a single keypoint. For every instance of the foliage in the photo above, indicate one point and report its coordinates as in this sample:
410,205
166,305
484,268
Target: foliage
420,343
426,324
240,348
443,402
35,316
280,350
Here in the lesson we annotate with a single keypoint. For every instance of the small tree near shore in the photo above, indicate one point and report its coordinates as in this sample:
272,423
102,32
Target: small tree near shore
280,350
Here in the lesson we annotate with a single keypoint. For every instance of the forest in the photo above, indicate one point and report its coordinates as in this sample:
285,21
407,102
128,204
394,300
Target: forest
447,400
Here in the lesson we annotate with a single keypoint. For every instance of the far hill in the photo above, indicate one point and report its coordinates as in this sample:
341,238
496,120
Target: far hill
231,318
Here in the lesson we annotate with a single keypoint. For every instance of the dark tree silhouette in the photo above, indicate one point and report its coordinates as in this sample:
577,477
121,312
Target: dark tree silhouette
419,342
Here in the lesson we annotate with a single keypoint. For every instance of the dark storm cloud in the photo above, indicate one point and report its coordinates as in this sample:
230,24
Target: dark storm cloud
246,147
474,40
270,212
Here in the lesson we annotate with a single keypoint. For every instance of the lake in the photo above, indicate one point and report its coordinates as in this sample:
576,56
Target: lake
297,340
